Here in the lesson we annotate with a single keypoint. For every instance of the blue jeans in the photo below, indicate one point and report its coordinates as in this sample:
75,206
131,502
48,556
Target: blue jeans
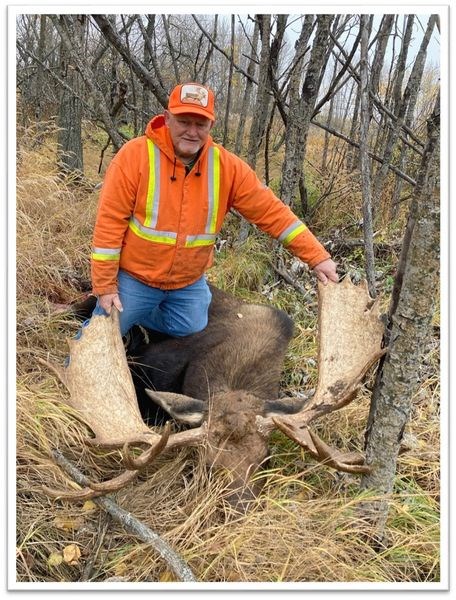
175,312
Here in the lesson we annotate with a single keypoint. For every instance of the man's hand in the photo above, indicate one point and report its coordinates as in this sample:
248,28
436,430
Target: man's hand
326,271
107,301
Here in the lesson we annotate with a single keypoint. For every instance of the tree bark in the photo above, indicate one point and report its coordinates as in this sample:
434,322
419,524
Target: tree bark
251,68
226,122
396,126
409,103
263,98
365,114
70,156
301,112
413,303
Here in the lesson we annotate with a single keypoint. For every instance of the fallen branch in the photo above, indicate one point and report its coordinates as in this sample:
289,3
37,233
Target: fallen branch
290,279
177,565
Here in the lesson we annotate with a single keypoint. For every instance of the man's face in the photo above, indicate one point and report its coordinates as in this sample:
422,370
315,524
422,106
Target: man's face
188,132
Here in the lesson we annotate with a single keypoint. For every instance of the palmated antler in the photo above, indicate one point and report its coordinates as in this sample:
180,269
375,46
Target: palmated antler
102,391
350,334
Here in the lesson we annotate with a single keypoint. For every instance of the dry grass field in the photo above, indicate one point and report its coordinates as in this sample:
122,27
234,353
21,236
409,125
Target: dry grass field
306,525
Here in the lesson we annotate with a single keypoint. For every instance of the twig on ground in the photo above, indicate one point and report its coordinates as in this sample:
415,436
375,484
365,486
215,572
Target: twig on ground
177,565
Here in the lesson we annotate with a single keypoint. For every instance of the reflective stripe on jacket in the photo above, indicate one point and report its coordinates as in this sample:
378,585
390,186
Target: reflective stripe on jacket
160,224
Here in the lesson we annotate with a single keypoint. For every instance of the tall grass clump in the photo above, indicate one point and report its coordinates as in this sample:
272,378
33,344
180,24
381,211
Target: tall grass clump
305,526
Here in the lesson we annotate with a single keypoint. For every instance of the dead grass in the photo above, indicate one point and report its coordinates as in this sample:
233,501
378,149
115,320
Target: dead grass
306,524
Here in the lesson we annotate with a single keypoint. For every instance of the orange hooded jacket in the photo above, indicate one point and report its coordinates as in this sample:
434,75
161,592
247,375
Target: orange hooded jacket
160,225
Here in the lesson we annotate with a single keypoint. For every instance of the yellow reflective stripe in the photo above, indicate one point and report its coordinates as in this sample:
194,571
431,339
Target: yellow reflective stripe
105,253
291,232
152,235
98,256
199,240
213,185
153,188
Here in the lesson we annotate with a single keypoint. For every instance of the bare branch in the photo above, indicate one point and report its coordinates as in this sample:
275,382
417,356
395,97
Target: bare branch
134,527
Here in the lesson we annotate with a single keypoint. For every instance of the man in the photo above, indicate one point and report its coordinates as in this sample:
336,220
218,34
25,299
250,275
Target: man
162,204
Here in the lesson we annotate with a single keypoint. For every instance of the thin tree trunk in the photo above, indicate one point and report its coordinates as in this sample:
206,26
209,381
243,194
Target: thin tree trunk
364,159
413,303
226,120
146,98
251,68
395,127
172,52
301,111
409,103
263,97
207,60
70,114
324,157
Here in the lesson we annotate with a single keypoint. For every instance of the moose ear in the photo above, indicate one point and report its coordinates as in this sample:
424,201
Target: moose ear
284,406
183,409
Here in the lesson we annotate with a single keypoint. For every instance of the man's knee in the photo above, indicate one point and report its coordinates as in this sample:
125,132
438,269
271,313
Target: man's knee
187,327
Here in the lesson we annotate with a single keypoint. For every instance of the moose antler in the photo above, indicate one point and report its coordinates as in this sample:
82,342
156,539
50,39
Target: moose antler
350,336
102,392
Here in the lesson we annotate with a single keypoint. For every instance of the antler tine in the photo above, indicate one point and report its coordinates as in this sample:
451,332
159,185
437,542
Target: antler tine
148,455
74,496
94,489
351,462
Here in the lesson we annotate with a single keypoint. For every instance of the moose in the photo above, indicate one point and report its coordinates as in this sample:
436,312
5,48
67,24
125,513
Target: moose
222,384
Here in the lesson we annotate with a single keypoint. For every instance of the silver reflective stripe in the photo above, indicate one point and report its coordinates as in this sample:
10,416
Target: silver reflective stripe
289,234
153,188
153,235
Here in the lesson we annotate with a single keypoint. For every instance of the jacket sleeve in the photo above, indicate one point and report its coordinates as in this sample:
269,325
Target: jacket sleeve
116,204
259,205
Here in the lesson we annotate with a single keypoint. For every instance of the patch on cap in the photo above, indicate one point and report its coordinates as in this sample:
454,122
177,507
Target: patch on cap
194,94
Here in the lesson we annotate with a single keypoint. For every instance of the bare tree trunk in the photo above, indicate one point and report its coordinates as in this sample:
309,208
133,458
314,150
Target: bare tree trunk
172,51
353,154
324,157
409,103
39,96
251,68
295,102
301,111
395,128
226,120
70,115
263,97
365,114
207,60
146,99
378,60
84,69
413,303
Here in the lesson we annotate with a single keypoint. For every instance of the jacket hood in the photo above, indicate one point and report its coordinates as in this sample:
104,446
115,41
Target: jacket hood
158,132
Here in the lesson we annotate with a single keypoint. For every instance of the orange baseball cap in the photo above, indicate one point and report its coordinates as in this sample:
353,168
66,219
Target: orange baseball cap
192,98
